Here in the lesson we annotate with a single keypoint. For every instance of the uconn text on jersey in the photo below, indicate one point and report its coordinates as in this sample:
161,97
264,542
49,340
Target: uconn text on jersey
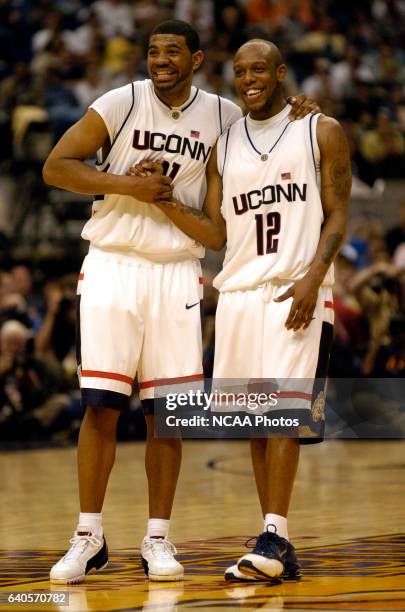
172,143
269,194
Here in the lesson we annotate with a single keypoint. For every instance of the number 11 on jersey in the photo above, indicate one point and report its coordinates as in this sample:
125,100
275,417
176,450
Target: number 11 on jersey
170,172
266,236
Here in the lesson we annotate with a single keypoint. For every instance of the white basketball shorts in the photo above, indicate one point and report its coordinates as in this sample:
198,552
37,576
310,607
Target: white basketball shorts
253,345
137,319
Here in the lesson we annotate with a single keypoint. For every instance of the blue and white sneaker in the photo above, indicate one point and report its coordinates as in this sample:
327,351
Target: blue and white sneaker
273,558
233,574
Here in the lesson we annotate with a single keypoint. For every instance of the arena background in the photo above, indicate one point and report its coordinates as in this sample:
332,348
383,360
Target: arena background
56,57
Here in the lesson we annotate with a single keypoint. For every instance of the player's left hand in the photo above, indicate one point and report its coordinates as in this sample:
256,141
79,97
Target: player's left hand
302,105
305,295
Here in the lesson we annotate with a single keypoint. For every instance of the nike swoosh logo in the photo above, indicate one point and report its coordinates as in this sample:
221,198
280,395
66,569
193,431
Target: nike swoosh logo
188,306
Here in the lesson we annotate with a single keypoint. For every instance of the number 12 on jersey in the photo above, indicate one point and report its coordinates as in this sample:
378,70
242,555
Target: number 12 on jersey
265,237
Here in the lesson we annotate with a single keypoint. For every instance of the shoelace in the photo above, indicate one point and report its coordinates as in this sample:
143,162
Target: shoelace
161,549
257,538
254,539
80,543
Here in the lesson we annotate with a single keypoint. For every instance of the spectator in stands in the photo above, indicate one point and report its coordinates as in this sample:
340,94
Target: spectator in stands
15,35
14,306
20,88
18,298
229,20
116,18
30,385
378,292
52,28
87,37
199,14
117,50
21,280
385,65
133,68
56,337
274,13
319,84
350,330
383,147
61,103
21,283
94,83
147,14
348,71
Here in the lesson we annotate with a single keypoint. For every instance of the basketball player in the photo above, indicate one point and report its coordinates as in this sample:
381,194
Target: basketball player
281,205
141,283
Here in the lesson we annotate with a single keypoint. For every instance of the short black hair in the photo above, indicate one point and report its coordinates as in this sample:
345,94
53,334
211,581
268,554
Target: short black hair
179,28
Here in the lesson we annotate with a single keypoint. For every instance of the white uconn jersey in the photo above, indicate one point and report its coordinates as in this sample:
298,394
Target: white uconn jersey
271,202
141,126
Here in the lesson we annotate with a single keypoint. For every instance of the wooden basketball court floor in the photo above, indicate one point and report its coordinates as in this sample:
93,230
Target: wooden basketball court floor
347,522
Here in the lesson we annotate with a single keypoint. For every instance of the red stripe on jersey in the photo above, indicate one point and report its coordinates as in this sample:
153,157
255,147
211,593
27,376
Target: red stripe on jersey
160,382
109,375
294,394
329,304
201,280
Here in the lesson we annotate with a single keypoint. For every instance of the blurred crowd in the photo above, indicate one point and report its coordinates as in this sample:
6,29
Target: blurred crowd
57,56
39,392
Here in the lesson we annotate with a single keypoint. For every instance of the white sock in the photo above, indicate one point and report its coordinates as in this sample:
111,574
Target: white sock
92,520
158,528
279,522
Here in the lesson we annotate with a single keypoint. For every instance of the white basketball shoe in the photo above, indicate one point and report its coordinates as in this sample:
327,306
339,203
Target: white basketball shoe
158,560
88,553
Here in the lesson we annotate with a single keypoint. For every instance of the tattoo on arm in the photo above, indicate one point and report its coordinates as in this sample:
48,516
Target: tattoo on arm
332,245
339,173
188,210
340,178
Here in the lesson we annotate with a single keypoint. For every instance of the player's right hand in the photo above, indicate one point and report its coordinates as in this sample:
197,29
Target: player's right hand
145,168
152,188
302,105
